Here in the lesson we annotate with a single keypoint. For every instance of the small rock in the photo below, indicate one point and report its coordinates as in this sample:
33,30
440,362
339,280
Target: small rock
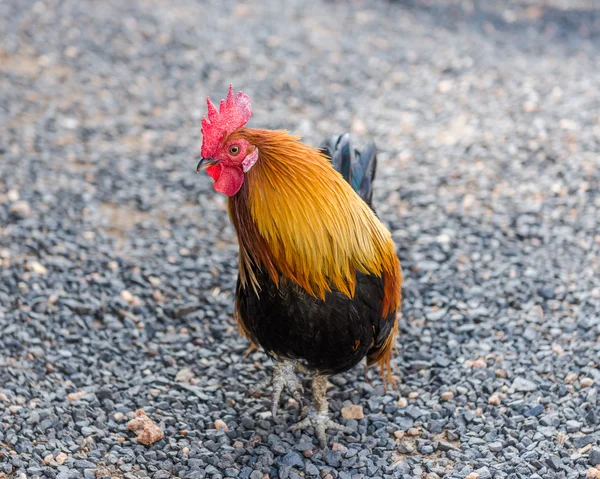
501,373
426,449
521,384
573,426
546,293
21,209
484,473
353,412
292,458
594,459
419,365
534,411
311,469
571,378
553,462
219,424
76,396
126,296
479,363
60,458
593,473
37,267
336,446
495,446
472,475
447,396
399,434
48,459
404,448
586,383
494,400
184,375
13,195
445,446
402,402
413,431
158,296
462,390
145,429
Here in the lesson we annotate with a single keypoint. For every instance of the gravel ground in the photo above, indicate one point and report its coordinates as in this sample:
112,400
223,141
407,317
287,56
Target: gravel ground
117,262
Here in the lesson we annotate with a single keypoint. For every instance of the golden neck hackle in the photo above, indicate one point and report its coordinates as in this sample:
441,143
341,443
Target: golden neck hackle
301,221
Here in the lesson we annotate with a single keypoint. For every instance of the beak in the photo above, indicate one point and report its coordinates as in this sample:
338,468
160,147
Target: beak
205,163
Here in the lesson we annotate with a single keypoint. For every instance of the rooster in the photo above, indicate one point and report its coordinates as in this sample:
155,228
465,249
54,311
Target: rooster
319,280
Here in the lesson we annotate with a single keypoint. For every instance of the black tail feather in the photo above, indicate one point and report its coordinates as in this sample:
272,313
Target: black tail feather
357,167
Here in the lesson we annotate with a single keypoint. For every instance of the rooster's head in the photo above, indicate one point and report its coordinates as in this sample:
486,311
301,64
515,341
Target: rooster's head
225,157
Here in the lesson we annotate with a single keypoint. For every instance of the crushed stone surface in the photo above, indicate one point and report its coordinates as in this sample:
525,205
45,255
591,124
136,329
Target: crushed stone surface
118,262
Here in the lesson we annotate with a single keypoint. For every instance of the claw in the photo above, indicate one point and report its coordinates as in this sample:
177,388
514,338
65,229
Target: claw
320,422
318,417
283,376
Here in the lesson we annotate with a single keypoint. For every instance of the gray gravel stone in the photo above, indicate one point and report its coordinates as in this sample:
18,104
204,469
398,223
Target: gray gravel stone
495,446
292,459
594,458
484,473
524,385
311,469
553,462
118,262
573,426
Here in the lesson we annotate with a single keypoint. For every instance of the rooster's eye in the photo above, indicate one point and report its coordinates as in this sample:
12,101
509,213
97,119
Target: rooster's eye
234,150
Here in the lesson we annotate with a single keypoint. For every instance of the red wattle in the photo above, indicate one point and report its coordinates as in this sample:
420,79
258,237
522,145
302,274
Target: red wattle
214,171
228,180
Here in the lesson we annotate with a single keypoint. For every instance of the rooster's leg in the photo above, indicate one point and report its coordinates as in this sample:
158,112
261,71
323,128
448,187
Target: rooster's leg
318,417
283,375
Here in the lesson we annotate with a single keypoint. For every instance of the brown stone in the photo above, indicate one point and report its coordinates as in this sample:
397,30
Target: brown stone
147,431
353,412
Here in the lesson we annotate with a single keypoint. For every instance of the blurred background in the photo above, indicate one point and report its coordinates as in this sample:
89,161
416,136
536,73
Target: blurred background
118,262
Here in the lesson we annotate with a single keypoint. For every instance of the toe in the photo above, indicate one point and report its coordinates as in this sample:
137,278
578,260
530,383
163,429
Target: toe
300,425
320,428
296,391
336,426
322,438
260,386
277,388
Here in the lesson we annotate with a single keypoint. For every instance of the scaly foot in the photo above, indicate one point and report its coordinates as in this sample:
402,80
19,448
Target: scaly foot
283,376
320,422
318,416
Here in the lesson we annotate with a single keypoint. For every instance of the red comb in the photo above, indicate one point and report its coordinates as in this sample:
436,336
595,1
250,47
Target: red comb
234,112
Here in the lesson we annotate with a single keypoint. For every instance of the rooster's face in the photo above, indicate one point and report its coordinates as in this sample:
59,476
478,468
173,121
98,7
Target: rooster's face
228,165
